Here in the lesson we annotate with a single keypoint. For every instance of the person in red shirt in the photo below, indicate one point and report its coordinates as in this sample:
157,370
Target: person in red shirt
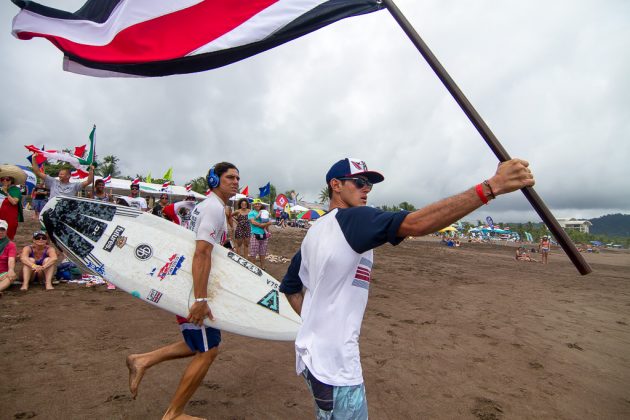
8,251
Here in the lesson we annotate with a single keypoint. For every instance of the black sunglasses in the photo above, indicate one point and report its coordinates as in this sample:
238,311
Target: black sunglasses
358,182
40,237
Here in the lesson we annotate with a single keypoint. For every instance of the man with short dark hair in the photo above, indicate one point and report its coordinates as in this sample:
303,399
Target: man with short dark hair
99,191
62,186
328,279
135,200
199,342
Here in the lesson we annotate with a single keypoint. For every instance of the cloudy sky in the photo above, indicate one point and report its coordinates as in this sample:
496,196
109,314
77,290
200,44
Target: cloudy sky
551,79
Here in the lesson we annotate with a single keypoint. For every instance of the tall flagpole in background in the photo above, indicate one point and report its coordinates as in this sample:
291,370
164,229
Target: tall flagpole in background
489,137
93,161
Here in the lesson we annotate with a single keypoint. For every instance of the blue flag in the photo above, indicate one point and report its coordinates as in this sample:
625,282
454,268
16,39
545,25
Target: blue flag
266,190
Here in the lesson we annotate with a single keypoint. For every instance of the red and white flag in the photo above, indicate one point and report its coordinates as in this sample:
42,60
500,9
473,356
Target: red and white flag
136,181
107,179
78,174
188,187
159,38
208,191
245,191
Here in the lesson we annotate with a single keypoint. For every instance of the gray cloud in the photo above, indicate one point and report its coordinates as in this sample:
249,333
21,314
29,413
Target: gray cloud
550,79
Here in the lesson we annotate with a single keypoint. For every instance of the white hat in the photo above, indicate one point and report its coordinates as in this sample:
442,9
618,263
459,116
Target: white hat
3,224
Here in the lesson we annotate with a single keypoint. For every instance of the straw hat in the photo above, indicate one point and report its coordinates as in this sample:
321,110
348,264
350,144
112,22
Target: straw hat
258,201
18,175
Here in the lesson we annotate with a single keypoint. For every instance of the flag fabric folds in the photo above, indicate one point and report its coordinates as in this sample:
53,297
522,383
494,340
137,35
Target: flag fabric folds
151,38
245,191
81,162
265,191
168,175
107,179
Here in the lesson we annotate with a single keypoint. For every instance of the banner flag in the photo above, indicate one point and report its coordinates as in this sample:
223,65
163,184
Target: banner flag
79,162
120,38
266,190
282,201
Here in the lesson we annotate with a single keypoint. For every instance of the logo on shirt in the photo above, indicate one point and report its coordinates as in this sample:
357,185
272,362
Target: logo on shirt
143,252
113,238
363,273
271,301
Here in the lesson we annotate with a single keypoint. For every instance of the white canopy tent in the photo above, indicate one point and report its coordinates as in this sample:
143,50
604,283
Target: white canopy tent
122,187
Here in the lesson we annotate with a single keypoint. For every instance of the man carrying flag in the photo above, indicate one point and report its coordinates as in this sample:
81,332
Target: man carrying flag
62,186
328,280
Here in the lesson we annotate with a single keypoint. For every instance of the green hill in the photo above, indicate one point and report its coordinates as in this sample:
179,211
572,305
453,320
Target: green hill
611,224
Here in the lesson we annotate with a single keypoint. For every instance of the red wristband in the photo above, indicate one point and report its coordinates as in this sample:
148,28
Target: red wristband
482,196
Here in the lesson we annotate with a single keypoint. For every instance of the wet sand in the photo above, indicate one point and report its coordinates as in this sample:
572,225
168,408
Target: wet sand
448,333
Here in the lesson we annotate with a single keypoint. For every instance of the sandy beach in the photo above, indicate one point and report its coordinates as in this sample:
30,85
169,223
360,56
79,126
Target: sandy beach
448,333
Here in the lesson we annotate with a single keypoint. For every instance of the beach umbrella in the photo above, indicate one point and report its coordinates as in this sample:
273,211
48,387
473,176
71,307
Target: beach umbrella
298,208
310,214
448,229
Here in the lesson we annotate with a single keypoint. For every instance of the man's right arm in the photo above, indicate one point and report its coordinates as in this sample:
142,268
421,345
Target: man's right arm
510,176
292,285
37,170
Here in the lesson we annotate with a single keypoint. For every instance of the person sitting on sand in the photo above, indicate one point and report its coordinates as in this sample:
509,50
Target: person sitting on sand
522,255
39,260
8,251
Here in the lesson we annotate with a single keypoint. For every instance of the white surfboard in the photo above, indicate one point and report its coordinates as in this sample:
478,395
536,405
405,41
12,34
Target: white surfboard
151,258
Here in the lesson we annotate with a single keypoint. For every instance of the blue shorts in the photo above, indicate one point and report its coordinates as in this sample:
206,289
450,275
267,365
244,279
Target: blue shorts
200,339
38,205
337,402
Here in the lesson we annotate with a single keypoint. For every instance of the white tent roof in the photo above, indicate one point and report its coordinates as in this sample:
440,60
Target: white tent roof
120,186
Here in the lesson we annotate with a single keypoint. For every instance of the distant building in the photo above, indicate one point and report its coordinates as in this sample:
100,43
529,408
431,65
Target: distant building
575,224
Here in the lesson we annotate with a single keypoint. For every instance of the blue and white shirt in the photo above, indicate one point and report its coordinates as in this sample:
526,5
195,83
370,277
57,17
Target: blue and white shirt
334,267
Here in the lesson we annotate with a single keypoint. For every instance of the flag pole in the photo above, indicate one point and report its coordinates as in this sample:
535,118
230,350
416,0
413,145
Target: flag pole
494,144
92,164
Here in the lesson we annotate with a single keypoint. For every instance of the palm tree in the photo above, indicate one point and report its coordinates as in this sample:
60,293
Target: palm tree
109,166
199,184
323,196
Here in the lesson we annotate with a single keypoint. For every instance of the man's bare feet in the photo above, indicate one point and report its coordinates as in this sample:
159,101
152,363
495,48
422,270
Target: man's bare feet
136,372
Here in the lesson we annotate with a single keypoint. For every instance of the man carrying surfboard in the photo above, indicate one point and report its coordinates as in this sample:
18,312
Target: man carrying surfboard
209,223
328,279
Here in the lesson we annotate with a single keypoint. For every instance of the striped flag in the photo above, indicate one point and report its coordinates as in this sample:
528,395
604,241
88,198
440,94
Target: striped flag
188,187
136,181
159,38
78,174
107,179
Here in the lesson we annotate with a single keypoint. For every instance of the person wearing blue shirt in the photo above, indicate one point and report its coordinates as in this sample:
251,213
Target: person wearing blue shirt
328,280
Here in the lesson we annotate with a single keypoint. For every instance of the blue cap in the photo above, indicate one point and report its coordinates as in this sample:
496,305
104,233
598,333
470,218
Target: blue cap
350,167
